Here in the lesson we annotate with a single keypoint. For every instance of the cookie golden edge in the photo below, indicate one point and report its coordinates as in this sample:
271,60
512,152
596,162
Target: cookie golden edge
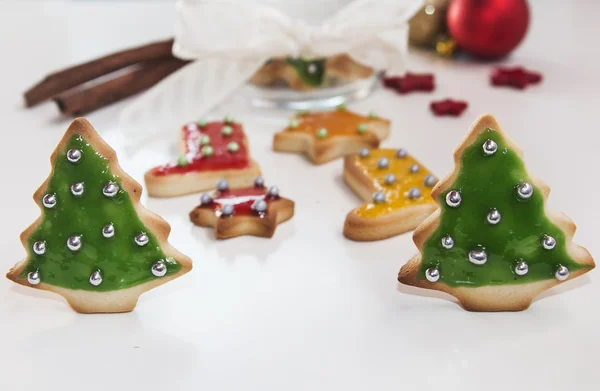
511,297
364,229
122,300
278,212
174,185
335,147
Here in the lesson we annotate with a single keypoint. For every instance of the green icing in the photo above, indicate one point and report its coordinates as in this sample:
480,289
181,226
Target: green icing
314,78
123,263
486,182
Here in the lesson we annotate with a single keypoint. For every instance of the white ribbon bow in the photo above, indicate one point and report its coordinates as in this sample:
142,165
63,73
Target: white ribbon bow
231,40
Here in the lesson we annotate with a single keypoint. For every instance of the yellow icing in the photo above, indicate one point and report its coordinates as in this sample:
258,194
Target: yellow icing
396,193
337,123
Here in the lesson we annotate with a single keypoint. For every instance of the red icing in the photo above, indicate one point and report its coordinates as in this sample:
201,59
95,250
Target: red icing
410,82
242,200
221,159
517,77
448,107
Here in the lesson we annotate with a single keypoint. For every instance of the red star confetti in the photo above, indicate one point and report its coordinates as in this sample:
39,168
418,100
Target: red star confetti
410,82
449,107
517,77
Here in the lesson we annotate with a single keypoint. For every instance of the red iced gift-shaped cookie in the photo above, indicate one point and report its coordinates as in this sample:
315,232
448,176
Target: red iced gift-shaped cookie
209,151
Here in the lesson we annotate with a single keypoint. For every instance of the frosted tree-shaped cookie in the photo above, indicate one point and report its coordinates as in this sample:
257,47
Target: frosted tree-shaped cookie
94,243
492,243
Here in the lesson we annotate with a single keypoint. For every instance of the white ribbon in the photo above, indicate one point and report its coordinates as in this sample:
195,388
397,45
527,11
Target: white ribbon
230,40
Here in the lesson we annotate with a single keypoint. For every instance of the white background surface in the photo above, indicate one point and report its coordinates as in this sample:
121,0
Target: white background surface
308,309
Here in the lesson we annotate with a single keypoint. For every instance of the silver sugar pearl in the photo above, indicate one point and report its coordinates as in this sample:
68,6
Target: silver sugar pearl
222,185
205,199
39,247
273,191
494,216
108,231
259,206
414,193
447,242
49,200
379,197
430,181
401,153
383,163
432,274
521,268
74,243
477,256
259,181
524,191
96,278
364,152
562,273
73,155
33,278
390,179
159,269
490,147
414,168
548,242
453,199
227,210
110,189
77,189
141,239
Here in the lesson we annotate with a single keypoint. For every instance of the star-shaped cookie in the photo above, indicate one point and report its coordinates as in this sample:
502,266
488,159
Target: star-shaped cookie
255,210
325,136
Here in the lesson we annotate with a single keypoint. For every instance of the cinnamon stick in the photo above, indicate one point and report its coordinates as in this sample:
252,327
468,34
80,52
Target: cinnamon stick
85,100
68,78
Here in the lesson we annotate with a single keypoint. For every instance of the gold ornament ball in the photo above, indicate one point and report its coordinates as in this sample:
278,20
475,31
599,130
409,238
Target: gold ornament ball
445,47
428,22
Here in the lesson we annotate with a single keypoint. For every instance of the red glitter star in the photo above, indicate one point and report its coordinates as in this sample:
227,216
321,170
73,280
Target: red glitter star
517,77
410,82
448,107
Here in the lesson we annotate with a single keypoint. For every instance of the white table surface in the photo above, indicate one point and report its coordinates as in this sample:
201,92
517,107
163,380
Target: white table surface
308,309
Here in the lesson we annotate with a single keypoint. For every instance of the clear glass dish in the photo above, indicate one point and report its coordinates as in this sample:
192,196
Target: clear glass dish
324,97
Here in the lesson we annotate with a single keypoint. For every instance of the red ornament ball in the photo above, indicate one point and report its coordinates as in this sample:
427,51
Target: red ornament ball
488,28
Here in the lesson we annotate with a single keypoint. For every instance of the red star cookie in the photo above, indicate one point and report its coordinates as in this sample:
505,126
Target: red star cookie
326,136
449,107
517,77
209,151
410,82
253,210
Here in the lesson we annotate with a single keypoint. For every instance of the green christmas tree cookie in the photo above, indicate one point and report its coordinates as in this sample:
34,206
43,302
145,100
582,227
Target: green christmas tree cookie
492,243
94,243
